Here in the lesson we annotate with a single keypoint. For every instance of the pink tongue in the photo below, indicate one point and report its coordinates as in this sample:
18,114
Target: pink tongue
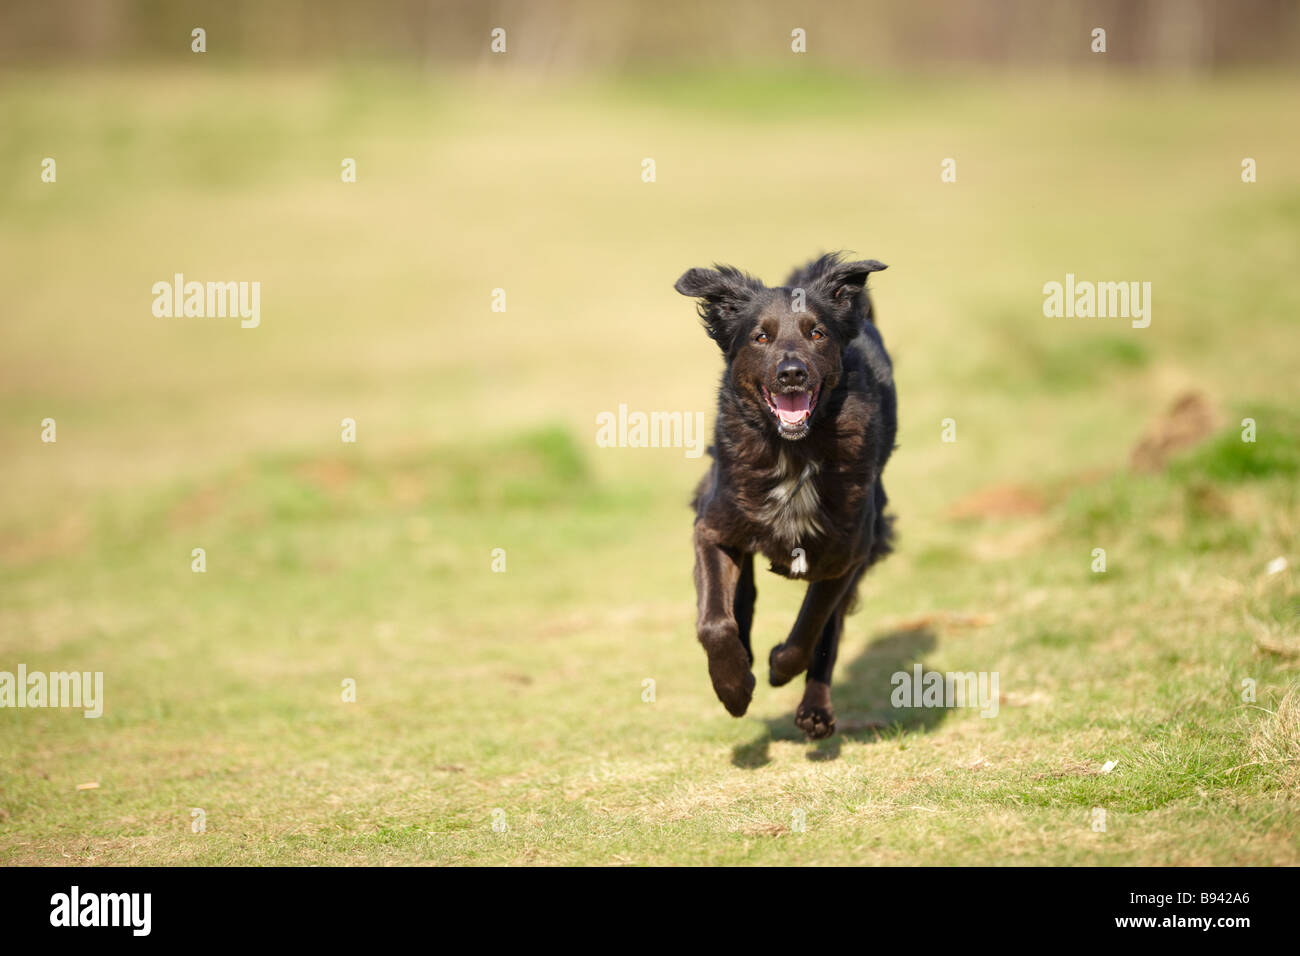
792,409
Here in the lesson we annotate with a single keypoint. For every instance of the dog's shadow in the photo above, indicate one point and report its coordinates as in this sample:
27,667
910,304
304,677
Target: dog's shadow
860,693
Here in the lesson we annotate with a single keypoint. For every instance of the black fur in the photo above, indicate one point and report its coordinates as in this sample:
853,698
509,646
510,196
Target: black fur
807,418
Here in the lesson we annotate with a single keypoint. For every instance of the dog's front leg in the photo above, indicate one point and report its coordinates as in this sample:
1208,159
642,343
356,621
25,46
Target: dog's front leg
792,657
717,572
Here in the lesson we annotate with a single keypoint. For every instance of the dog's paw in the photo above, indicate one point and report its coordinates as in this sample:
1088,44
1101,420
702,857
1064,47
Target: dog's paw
733,681
817,723
815,716
785,663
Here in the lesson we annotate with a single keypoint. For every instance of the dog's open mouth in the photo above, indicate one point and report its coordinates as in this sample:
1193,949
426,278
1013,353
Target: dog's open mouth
792,409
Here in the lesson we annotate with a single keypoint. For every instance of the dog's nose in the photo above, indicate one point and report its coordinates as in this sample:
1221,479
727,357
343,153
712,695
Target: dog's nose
792,373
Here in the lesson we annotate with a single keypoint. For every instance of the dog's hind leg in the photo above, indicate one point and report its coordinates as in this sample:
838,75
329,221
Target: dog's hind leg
746,595
792,657
815,716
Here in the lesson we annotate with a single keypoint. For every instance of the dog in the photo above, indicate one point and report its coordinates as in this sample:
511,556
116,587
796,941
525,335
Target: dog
807,419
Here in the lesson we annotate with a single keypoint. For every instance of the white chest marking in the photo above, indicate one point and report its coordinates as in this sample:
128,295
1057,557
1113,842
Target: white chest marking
792,508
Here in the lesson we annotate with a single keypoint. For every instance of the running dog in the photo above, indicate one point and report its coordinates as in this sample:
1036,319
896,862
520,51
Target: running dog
807,417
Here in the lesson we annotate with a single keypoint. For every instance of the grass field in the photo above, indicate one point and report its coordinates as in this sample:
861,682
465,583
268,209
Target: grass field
517,697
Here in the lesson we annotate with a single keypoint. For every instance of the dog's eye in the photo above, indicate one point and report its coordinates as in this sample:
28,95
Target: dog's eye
761,338
817,335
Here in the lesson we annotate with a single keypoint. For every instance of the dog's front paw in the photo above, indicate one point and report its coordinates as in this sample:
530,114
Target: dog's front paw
735,690
815,716
785,663
733,681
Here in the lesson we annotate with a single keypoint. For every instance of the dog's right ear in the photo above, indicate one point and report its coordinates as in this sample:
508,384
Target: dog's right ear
722,292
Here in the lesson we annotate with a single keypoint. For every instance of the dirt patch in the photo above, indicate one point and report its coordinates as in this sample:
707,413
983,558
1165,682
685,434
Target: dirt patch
1190,420
1000,501
948,620
328,474
198,507
68,536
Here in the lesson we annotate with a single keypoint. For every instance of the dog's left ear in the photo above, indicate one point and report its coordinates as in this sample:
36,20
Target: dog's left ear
843,283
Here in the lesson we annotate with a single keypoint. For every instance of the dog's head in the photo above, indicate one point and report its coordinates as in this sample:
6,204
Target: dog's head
784,345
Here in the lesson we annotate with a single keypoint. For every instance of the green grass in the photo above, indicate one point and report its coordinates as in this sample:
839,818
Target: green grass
522,691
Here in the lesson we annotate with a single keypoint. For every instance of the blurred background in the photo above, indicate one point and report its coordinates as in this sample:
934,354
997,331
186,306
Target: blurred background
522,171
1166,35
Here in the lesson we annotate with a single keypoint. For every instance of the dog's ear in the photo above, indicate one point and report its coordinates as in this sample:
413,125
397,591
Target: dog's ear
722,292
842,284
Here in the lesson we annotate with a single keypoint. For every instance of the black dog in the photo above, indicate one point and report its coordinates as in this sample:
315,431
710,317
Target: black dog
806,421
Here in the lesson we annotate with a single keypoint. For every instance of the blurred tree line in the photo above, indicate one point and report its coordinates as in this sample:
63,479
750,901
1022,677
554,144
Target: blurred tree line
1165,35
